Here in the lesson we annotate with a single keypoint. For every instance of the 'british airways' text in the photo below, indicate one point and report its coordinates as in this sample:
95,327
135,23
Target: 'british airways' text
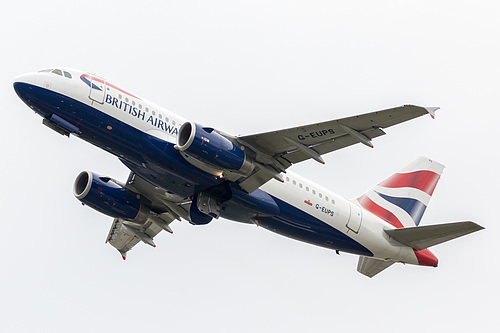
140,114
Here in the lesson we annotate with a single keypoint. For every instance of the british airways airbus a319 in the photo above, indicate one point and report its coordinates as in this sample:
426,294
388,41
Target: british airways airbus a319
183,170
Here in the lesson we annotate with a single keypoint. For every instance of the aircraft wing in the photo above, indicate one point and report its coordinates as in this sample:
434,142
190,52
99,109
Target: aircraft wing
165,208
280,149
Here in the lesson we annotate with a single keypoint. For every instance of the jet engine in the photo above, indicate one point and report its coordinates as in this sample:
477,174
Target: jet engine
106,196
207,146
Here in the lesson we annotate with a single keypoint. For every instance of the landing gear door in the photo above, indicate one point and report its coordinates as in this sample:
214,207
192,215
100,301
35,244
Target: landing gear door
355,217
97,89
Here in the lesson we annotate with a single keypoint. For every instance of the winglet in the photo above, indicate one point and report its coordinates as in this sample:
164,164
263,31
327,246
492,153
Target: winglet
432,110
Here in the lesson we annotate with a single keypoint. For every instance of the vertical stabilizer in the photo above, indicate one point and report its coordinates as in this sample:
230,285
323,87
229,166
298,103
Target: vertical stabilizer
402,198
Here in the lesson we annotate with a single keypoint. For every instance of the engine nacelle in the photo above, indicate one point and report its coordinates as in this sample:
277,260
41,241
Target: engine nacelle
107,197
212,149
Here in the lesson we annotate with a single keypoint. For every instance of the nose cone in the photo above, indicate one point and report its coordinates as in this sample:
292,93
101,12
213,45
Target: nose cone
23,84
29,78
426,258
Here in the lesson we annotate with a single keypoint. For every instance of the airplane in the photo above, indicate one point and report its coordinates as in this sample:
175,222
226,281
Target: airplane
180,169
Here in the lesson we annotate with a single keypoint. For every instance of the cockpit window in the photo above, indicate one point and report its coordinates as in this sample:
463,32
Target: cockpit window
56,71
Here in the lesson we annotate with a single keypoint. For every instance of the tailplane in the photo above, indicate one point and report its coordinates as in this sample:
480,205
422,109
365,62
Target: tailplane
372,266
418,238
423,237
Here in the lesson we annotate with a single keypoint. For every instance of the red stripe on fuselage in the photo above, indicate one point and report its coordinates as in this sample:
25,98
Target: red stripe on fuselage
423,180
98,79
383,213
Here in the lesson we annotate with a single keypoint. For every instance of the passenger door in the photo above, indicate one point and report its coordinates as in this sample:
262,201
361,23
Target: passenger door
97,89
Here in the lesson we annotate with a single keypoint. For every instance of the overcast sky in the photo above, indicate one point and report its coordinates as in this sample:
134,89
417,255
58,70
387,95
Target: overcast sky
248,67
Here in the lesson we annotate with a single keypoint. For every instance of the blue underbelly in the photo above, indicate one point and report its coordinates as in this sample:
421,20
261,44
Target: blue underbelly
295,223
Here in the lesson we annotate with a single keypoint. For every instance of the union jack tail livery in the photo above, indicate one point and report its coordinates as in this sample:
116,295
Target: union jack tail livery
402,198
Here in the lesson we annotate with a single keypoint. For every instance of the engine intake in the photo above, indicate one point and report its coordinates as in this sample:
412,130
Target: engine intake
106,196
211,148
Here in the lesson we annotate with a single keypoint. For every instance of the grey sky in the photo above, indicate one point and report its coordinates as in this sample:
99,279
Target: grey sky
247,67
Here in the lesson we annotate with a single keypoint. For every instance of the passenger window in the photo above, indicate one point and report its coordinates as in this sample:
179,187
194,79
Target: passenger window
57,71
160,116
68,75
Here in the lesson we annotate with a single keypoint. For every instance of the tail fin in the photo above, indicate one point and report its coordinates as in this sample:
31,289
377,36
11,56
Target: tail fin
402,198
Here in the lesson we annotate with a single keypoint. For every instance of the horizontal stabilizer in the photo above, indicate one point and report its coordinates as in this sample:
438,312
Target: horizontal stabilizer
423,237
371,266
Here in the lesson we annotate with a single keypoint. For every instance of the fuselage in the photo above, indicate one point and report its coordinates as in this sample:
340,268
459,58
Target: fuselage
143,136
